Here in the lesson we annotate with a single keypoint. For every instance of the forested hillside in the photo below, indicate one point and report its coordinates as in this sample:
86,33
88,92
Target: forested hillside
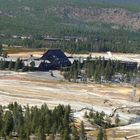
107,21
53,16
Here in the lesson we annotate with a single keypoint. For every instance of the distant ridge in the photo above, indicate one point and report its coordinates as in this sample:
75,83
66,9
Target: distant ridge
55,17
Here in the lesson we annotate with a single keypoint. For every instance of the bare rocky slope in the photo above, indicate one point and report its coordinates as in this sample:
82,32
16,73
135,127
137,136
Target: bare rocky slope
116,16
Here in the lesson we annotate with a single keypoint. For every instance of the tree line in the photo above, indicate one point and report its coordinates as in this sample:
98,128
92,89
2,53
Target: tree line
11,65
97,41
23,122
99,70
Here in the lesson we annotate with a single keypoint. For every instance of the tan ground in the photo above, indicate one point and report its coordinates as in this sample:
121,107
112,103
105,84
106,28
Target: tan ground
34,86
120,133
27,54
38,88
114,56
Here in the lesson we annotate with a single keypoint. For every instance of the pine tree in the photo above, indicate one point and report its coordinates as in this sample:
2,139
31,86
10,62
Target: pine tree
66,135
100,134
54,128
40,134
32,64
74,133
8,122
11,65
105,136
97,75
3,65
18,64
1,123
82,131
0,49
108,71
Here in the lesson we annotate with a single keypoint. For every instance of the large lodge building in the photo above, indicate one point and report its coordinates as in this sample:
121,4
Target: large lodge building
54,59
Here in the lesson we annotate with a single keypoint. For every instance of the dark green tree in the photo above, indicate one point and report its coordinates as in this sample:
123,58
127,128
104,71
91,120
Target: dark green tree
11,65
1,49
18,64
32,66
82,131
8,122
74,133
40,134
100,134
66,135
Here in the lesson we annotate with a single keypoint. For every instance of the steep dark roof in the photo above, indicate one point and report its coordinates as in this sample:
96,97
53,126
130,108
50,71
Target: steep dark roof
53,53
56,57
